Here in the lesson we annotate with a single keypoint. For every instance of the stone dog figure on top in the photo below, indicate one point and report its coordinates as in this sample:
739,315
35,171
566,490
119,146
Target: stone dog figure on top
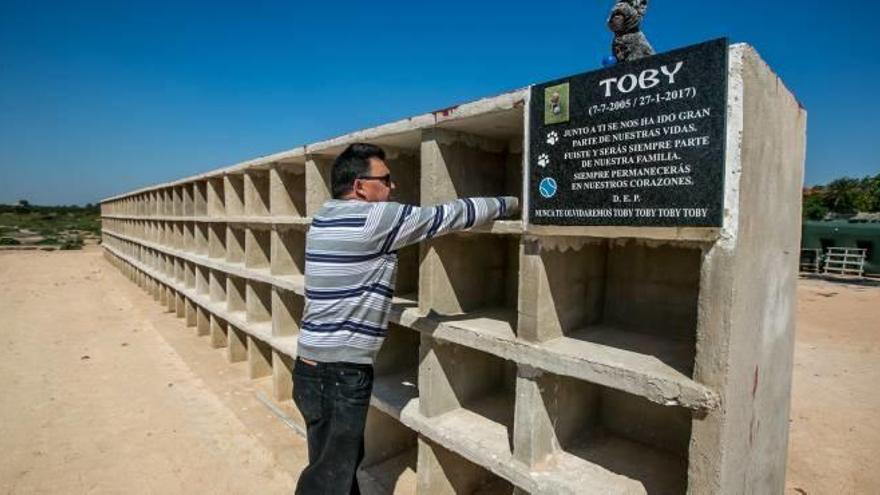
625,22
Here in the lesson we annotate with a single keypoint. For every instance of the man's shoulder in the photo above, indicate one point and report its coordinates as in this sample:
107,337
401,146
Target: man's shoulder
335,208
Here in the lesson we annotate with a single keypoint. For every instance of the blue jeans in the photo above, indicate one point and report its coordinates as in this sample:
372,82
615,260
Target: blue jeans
333,399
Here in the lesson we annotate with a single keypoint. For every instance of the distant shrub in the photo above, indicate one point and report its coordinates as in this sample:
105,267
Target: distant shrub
9,241
72,243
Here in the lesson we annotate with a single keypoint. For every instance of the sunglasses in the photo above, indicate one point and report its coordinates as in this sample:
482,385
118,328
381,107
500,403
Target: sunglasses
384,178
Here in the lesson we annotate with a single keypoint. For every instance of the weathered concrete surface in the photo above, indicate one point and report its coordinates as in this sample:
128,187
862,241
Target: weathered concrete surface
745,343
152,409
287,190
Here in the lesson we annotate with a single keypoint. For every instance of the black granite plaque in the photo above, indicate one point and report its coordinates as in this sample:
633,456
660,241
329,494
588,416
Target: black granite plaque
640,143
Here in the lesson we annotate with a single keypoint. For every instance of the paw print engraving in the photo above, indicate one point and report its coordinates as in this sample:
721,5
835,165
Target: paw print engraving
543,160
552,138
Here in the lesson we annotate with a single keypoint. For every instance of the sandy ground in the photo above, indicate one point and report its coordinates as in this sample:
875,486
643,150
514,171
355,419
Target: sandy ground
835,416
103,392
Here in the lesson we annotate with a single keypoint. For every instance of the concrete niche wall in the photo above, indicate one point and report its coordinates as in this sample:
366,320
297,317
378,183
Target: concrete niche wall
287,251
632,295
519,358
233,190
257,247
287,312
256,193
467,273
287,190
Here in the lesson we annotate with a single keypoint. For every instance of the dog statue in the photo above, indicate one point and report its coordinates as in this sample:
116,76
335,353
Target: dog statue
625,22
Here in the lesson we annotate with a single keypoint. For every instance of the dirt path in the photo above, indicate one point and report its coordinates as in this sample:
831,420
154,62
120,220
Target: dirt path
835,418
102,392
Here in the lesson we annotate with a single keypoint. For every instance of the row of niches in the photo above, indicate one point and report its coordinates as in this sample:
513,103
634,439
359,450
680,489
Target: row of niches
549,422
391,453
444,166
264,307
222,332
628,295
275,250
278,190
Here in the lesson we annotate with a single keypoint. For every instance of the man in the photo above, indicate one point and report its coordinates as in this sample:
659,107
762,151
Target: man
351,263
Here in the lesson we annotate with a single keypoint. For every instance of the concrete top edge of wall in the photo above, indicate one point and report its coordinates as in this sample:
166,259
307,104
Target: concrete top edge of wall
402,134
398,134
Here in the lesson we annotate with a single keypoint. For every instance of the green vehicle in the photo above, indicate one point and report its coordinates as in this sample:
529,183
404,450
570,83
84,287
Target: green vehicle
845,233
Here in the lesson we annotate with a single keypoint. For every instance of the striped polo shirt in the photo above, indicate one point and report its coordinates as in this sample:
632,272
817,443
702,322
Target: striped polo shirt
351,266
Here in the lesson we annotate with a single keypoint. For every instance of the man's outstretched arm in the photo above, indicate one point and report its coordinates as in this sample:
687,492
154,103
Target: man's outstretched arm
415,224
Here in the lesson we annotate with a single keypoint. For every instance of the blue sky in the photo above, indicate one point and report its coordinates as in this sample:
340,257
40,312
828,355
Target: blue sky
97,98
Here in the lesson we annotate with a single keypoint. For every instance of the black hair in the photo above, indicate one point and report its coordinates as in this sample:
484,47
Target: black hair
352,163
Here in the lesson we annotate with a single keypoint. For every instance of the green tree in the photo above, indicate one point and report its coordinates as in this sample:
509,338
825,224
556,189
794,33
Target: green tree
814,209
868,198
840,195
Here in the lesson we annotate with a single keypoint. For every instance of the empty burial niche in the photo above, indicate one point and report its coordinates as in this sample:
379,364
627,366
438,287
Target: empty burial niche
282,377
474,274
200,198
288,251
203,321
178,270
462,164
202,280
189,274
473,386
189,207
390,455
287,312
218,335
259,302
235,243
216,198
201,234
287,195
257,247
396,367
256,193
167,265
442,471
217,286
217,240
233,191
189,236
624,433
407,284
167,202
235,295
177,201
259,358
165,232
236,349
178,235
624,294
405,167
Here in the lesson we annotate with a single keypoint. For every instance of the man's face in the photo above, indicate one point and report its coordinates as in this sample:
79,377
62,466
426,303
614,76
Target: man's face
373,188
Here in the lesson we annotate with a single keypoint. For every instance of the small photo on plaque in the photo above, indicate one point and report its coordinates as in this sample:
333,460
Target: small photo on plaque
556,104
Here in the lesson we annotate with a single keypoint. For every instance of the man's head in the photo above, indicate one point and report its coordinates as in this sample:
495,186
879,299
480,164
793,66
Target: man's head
360,172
